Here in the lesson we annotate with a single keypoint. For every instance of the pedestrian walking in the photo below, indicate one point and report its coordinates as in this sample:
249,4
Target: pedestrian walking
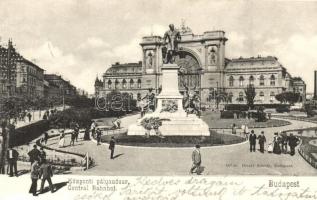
34,154
196,159
29,116
112,145
276,144
93,128
61,142
292,142
245,131
72,138
86,135
34,177
46,173
252,141
98,132
76,131
234,129
12,157
45,137
42,154
262,140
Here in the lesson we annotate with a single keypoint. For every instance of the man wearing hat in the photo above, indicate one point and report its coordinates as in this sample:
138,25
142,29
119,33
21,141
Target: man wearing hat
112,144
252,140
293,141
196,158
34,154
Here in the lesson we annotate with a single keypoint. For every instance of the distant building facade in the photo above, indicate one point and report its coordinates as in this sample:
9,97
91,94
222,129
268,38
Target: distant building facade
206,71
19,76
51,90
65,87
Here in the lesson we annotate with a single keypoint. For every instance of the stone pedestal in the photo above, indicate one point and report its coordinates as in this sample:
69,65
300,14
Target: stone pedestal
176,121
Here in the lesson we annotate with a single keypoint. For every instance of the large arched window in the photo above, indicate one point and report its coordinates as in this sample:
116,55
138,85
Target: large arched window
124,84
261,80
251,80
116,84
241,80
139,83
109,84
131,83
231,81
272,80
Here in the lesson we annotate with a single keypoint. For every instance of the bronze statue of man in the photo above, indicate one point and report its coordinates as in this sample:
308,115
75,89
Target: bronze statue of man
171,39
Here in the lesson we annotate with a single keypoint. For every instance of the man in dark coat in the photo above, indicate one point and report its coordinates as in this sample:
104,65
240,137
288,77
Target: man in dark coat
98,132
284,141
252,140
34,176
292,142
112,144
76,131
196,158
72,138
46,173
34,154
42,154
45,137
12,157
262,140
29,116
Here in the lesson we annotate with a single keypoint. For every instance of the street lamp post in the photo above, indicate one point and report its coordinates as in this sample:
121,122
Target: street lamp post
217,97
200,72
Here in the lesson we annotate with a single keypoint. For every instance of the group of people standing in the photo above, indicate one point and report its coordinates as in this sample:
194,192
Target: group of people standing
279,144
282,140
40,169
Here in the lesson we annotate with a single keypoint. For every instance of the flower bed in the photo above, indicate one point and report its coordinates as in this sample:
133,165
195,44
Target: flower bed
215,139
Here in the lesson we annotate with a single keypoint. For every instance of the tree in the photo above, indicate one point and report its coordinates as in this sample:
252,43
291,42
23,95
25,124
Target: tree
287,97
250,95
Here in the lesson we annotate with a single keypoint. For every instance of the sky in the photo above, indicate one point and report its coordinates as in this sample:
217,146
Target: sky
80,39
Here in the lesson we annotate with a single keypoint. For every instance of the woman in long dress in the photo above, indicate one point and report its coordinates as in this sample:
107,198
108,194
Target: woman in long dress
276,144
61,139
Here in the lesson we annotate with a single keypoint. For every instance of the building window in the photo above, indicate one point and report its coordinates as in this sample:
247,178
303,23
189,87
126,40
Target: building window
124,84
251,80
230,97
139,83
131,83
272,96
272,80
261,80
109,84
240,98
262,96
116,84
231,80
241,80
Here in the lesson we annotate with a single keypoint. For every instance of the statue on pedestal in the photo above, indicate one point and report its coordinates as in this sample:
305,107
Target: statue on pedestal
170,40
191,99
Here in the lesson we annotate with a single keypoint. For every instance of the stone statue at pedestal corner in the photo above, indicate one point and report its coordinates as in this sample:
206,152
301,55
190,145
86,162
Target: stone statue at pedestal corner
212,56
170,41
149,60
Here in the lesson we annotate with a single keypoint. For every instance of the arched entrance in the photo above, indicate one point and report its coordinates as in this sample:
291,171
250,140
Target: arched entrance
190,68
